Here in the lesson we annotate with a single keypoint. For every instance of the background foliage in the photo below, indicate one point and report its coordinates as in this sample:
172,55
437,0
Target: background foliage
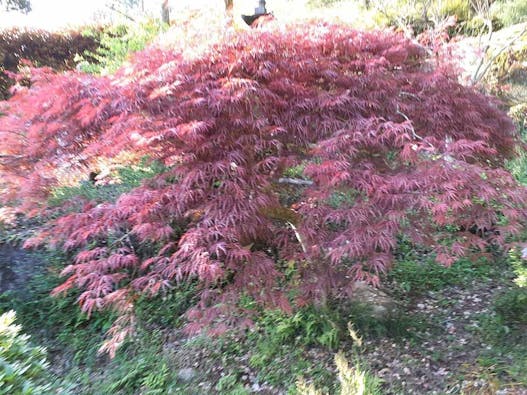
21,5
116,44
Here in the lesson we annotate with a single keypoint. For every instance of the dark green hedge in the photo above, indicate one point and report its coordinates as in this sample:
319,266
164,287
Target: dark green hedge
42,48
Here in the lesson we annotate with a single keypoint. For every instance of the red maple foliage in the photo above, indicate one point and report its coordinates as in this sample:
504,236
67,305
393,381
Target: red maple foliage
392,146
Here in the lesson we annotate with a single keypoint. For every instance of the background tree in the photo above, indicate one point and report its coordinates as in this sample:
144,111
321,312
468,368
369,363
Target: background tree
165,12
16,5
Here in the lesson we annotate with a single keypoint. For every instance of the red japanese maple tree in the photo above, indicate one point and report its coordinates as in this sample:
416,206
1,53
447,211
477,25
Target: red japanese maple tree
383,144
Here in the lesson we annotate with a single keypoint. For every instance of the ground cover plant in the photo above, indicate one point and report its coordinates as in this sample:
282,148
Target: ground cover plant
386,143
272,356
23,367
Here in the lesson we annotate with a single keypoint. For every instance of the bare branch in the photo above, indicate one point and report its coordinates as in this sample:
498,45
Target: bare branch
114,9
479,76
294,181
414,134
298,237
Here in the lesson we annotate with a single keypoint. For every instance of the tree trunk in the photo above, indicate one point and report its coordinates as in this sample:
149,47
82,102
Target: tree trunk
229,11
165,12
228,5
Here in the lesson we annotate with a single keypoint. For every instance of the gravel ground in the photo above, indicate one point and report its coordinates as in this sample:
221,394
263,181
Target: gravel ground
444,359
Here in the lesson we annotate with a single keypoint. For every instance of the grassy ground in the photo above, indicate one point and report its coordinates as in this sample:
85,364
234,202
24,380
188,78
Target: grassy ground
458,330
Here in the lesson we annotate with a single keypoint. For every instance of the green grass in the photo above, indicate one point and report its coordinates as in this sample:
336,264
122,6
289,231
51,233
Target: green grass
504,329
57,321
397,325
125,179
139,366
229,385
416,273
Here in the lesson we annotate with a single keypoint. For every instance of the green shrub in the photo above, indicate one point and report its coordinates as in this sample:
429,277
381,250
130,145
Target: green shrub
518,165
116,45
402,13
477,25
309,326
23,367
277,345
511,307
229,385
518,113
418,14
519,267
137,371
421,15
510,12
458,8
